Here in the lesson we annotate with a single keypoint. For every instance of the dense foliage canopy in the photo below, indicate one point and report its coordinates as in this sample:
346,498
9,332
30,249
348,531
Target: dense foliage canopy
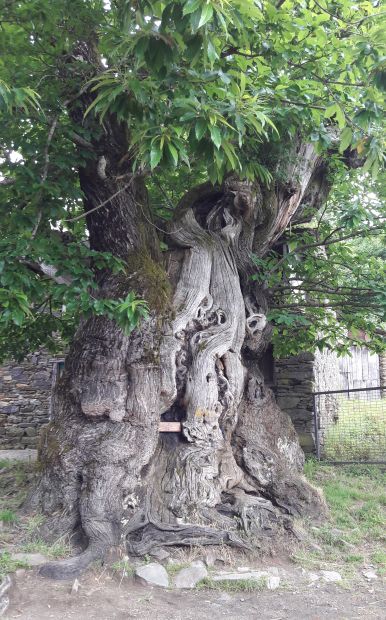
202,88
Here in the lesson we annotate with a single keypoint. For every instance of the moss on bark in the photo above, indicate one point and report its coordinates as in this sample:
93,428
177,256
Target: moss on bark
150,279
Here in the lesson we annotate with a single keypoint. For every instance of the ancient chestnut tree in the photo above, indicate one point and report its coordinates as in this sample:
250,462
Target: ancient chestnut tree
152,155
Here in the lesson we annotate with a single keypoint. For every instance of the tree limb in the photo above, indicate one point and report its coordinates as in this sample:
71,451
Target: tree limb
45,169
6,182
322,289
47,270
102,204
317,304
325,242
77,139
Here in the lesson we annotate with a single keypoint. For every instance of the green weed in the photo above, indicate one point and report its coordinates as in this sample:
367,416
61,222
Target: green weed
14,479
58,549
123,568
328,536
354,559
234,585
173,569
5,463
9,565
379,557
310,560
311,467
8,516
32,525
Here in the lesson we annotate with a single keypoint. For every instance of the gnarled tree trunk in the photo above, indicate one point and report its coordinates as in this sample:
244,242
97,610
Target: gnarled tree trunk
235,469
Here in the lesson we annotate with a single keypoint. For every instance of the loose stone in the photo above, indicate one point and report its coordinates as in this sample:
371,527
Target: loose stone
153,574
189,577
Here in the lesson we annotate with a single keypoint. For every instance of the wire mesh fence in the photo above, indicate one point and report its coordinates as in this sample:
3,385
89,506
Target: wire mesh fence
350,425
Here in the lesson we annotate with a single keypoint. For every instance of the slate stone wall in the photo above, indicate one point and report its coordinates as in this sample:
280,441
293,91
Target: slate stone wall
25,391
294,382
296,378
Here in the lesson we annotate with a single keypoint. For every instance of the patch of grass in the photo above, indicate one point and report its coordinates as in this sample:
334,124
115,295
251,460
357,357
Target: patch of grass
32,524
379,558
174,568
234,585
4,463
356,527
311,467
58,549
14,479
328,536
8,516
307,559
352,558
370,514
9,565
123,568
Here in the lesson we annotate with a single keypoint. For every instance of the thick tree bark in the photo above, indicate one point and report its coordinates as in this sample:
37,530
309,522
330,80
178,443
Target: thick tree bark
236,467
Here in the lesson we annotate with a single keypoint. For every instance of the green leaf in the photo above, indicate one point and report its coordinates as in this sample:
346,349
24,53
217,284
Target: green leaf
345,139
243,83
18,317
212,53
200,128
190,6
231,155
155,154
216,136
368,163
340,117
336,110
206,15
173,152
330,111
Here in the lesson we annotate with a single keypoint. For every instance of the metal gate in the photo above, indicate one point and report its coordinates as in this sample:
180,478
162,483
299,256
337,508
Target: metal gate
350,425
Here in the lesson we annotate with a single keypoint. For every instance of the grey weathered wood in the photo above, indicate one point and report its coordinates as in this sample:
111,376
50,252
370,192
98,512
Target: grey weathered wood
360,370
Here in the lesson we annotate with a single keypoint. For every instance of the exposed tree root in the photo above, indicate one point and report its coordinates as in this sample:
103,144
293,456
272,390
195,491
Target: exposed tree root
72,567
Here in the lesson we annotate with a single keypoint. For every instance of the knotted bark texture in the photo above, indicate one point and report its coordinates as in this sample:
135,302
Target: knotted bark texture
233,475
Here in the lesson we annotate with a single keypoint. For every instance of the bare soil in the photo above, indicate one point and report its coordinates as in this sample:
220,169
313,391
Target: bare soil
103,597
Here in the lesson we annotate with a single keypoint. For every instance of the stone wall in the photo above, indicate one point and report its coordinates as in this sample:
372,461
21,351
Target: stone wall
25,391
294,382
296,378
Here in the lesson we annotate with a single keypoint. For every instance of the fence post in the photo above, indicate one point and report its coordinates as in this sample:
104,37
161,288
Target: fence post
316,422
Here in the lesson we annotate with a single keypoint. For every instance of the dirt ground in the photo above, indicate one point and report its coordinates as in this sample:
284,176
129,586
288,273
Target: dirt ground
103,597
351,542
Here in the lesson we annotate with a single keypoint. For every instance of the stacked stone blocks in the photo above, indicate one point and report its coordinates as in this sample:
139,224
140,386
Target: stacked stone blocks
25,392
